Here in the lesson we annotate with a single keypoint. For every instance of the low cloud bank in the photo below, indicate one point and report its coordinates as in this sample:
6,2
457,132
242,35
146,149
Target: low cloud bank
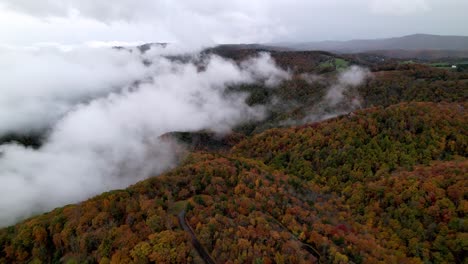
104,127
341,98
39,86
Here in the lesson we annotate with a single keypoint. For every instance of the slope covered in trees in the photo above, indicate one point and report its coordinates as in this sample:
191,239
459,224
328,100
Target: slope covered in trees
354,156
361,145
313,73
382,185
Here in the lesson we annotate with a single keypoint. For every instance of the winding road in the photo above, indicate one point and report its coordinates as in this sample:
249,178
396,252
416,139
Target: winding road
195,242
207,257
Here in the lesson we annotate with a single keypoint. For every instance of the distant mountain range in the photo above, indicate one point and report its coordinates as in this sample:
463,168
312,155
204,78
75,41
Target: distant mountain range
417,46
411,42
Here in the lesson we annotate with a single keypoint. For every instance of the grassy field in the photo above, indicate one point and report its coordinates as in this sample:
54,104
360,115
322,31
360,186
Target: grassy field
338,64
441,64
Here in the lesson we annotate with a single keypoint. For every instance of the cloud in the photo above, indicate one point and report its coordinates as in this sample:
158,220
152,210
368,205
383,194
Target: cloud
352,77
399,7
263,68
112,140
133,10
197,22
208,22
339,99
40,85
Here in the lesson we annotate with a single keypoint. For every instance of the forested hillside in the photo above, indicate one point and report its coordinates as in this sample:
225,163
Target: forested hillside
383,179
380,185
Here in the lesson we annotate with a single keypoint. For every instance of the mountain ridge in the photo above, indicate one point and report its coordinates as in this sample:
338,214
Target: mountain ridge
408,42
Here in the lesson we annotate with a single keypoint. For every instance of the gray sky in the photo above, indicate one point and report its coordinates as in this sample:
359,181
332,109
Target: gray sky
205,22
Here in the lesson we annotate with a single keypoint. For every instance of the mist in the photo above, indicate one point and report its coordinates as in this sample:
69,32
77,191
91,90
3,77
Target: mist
104,111
347,79
341,97
39,86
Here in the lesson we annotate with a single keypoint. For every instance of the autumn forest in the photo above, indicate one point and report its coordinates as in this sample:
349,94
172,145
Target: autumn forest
380,176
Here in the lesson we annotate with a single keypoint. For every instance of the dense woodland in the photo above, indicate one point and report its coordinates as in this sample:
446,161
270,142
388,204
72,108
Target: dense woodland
384,184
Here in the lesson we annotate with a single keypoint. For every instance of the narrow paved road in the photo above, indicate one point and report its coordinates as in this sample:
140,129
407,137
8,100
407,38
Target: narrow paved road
209,260
309,248
195,242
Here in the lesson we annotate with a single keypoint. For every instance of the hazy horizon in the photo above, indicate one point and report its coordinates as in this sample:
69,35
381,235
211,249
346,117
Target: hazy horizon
204,23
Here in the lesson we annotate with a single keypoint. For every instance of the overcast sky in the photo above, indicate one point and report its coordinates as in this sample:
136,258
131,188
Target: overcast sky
196,22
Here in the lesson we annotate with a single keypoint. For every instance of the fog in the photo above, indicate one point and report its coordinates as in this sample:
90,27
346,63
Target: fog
341,97
103,127
347,79
39,86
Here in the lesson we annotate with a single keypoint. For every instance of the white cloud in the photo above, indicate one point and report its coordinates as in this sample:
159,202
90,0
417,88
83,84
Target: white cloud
113,140
340,98
110,44
41,84
349,78
399,7
208,22
195,22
